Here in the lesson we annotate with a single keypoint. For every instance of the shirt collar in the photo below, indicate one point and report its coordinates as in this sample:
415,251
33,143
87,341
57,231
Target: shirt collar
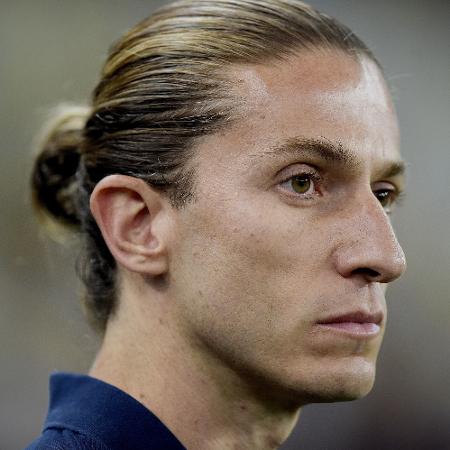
106,413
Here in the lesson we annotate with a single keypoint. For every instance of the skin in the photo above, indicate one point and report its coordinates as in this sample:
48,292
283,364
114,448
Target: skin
217,328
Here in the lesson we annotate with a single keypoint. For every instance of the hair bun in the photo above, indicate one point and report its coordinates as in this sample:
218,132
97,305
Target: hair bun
54,180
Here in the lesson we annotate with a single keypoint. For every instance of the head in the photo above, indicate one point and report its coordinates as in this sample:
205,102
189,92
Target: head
240,159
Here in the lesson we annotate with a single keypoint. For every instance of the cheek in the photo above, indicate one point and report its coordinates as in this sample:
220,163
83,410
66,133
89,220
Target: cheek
249,273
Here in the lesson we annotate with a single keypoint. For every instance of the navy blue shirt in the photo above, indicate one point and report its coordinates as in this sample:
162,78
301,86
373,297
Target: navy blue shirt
88,414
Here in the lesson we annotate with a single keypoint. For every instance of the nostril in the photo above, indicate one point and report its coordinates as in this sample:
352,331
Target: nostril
366,272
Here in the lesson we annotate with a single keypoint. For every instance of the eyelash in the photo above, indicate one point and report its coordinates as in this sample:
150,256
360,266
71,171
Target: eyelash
394,196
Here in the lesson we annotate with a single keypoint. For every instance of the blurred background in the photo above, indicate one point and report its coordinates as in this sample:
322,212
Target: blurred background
52,50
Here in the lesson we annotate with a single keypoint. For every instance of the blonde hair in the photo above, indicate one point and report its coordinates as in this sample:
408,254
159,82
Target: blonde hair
163,85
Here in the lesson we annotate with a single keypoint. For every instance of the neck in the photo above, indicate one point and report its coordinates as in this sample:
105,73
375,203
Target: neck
206,405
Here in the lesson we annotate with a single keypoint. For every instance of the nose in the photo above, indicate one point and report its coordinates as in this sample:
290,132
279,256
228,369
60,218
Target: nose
368,248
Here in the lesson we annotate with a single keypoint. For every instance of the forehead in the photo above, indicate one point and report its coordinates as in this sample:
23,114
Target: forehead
323,94
321,72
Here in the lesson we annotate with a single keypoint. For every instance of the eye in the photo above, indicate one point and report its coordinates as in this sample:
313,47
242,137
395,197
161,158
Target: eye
387,196
301,184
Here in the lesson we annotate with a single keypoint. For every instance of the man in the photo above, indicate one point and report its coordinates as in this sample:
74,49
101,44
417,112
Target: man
265,291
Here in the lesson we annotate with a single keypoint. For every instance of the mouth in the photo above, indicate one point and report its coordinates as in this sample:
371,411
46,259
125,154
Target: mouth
358,324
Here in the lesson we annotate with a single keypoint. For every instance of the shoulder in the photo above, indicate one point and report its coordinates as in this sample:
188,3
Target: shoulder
64,439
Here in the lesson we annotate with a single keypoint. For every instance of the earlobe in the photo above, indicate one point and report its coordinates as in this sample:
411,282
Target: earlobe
129,214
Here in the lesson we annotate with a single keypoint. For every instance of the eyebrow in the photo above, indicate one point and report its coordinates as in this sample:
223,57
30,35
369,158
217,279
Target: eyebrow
327,150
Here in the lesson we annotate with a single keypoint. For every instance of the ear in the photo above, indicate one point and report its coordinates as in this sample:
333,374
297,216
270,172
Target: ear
134,220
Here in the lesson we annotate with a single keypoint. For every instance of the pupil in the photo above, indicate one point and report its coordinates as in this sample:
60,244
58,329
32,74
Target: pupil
301,184
383,197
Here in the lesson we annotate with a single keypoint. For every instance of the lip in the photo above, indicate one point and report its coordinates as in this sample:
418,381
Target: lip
357,324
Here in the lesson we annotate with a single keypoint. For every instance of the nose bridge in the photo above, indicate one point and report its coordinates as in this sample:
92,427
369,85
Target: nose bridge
370,246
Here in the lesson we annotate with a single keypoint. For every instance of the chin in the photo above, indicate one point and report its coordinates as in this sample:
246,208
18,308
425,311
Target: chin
340,382
350,381
342,392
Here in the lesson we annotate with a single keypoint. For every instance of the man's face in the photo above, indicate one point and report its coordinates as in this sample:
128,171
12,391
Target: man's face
289,233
